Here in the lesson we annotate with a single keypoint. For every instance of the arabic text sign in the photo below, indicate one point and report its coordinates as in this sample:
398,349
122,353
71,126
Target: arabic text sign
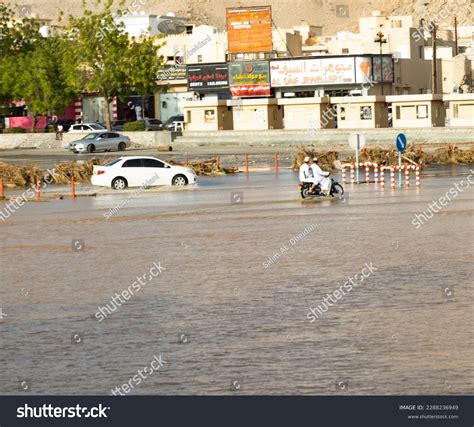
249,29
249,79
178,72
311,72
208,77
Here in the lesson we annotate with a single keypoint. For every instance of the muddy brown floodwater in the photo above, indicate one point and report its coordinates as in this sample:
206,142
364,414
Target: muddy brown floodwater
225,319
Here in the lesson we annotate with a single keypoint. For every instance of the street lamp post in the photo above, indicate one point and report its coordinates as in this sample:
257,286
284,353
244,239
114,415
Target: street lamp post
381,40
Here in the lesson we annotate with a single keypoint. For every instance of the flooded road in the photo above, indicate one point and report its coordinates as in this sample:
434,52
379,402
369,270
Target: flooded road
224,318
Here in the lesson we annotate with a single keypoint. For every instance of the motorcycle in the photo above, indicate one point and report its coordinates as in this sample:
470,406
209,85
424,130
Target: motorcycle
336,190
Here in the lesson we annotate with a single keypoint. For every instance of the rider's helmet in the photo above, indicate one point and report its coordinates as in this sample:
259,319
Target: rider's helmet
315,159
306,159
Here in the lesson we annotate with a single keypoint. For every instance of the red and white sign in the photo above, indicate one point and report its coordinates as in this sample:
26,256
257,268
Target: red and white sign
313,72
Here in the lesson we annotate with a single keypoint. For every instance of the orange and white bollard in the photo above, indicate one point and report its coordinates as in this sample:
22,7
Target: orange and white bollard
2,193
407,176
376,173
247,164
367,173
38,191
73,187
352,174
343,174
392,177
417,176
276,162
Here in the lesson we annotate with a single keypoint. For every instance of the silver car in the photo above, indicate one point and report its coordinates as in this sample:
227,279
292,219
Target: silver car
100,141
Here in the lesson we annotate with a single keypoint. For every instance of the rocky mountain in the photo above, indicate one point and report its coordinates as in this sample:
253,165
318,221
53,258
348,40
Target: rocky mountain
332,15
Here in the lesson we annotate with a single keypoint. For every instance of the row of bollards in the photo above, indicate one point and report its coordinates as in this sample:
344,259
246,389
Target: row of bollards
37,187
186,162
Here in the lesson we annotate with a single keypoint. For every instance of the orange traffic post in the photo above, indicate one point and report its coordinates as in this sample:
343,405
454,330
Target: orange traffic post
276,162
38,191
73,187
247,164
2,194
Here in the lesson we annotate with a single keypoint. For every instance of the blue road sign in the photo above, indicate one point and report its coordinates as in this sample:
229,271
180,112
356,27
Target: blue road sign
401,142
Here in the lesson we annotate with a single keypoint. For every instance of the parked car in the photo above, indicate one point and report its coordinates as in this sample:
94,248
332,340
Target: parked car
117,125
170,124
86,127
141,171
152,124
100,141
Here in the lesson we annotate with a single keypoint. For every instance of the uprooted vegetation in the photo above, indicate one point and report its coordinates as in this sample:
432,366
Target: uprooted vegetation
209,167
450,154
22,176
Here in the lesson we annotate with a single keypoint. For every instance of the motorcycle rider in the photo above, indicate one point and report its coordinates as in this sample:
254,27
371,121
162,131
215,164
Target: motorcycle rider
321,177
306,174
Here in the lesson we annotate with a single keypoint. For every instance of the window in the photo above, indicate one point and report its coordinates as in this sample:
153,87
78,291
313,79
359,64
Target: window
344,50
455,111
96,126
421,51
422,111
366,112
113,135
135,163
397,112
112,162
342,113
150,163
199,58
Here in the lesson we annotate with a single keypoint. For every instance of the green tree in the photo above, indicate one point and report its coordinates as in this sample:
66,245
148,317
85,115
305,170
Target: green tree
107,61
32,67
16,37
41,77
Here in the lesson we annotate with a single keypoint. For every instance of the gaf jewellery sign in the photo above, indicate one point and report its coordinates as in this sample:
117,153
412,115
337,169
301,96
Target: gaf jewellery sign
249,79
208,77
311,72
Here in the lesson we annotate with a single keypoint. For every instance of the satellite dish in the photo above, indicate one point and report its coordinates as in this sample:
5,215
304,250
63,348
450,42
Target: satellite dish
44,31
170,26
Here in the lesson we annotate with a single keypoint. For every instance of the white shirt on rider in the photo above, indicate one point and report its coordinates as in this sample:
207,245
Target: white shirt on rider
304,172
318,173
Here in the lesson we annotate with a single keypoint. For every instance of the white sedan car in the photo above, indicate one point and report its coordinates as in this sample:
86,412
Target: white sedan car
141,172
86,127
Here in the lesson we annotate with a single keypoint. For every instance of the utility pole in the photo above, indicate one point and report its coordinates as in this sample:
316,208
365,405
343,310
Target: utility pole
434,83
456,48
381,40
